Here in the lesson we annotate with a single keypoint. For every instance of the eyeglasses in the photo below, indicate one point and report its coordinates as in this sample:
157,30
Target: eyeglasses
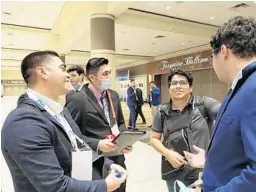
181,83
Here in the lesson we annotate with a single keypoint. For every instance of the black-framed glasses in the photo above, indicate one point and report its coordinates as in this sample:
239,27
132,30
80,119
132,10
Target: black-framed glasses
181,83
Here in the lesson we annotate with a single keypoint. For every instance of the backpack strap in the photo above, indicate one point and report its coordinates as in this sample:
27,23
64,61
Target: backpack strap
199,103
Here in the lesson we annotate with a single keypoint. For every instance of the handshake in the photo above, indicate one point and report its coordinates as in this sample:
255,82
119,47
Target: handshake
116,177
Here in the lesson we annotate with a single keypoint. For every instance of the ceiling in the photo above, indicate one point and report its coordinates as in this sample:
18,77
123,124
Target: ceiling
185,27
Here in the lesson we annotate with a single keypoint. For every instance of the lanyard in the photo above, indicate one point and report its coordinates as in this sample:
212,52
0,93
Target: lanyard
72,136
111,106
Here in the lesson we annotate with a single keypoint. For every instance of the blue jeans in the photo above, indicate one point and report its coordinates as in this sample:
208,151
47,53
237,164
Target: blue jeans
187,177
132,119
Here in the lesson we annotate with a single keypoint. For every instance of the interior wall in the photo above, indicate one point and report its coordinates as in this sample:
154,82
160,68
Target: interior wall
206,83
14,90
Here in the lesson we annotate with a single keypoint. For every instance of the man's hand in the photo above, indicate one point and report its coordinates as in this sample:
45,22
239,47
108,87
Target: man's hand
114,182
127,150
175,159
119,169
196,160
106,145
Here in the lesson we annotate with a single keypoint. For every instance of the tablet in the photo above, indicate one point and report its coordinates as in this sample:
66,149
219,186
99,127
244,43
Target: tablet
124,139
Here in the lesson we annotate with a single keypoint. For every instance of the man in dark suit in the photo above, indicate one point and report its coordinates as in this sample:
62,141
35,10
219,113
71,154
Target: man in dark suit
77,78
140,102
132,104
40,139
97,111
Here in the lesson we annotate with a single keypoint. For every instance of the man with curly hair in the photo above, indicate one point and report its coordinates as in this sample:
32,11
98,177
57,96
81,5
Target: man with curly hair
231,158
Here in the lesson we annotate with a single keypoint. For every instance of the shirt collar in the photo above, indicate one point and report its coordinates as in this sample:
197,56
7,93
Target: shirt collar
79,86
238,76
96,93
56,107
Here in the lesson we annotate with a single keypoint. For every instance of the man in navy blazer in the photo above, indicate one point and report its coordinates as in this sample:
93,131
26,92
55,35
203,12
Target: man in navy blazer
132,104
39,135
231,158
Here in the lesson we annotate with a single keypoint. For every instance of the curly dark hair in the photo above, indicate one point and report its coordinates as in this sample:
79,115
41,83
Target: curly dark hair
239,35
186,74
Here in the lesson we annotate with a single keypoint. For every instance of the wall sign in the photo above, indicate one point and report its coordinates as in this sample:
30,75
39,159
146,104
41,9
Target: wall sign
13,82
190,62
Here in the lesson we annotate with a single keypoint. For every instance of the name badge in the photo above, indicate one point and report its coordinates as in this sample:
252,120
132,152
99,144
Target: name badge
115,131
82,165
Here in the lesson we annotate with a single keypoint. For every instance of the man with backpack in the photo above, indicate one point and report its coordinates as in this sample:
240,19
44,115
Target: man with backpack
184,121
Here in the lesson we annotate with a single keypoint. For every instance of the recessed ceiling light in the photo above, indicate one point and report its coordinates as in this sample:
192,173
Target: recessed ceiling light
168,7
212,17
183,43
9,33
126,49
153,43
7,13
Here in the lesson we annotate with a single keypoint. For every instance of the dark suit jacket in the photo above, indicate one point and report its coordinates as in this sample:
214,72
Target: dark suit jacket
131,97
139,94
37,151
90,117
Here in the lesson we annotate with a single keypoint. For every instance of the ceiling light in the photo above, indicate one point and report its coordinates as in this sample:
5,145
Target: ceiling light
212,17
7,13
126,49
10,44
153,43
168,7
9,33
183,43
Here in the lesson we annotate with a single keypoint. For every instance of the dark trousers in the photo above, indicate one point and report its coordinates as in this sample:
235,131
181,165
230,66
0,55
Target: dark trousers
139,112
120,160
100,172
132,119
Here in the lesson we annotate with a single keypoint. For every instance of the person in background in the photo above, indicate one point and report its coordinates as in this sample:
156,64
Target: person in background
39,138
140,102
98,113
183,122
132,104
154,98
77,77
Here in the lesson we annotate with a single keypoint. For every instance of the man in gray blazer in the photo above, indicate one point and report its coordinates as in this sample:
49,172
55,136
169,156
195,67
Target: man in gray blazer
39,135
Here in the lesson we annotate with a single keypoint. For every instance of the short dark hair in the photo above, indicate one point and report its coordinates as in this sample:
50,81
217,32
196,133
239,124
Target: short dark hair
152,82
132,80
186,74
239,35
79,69
94,64
33,60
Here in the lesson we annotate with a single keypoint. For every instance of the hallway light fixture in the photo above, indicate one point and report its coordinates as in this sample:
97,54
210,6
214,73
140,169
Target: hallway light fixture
212,17
168,7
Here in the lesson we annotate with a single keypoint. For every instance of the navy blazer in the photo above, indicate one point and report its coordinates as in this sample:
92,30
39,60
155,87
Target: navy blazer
131,97
231,158
37,151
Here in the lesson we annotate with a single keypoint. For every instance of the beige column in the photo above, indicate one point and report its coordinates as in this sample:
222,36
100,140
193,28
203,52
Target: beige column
102,38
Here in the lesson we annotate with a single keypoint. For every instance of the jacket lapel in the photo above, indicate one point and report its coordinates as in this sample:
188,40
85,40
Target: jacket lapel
247,72
221,112
91,98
